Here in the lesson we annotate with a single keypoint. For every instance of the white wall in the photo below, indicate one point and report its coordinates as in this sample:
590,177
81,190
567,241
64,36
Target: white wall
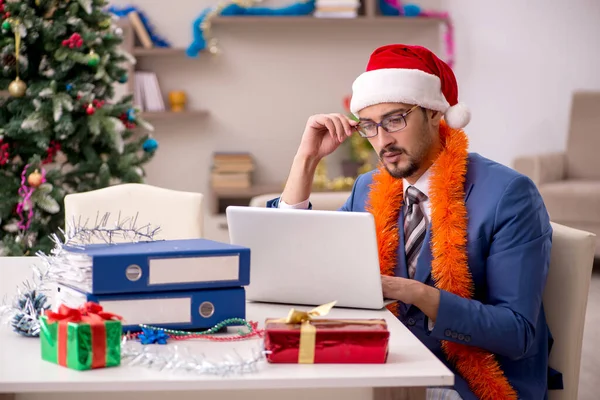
518,63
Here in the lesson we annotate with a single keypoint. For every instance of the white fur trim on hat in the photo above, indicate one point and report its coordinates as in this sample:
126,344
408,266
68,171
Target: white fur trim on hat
395,85
457,116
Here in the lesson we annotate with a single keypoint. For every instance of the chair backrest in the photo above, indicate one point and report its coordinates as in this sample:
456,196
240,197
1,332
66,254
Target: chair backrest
328,201
584,136
565,302
179,215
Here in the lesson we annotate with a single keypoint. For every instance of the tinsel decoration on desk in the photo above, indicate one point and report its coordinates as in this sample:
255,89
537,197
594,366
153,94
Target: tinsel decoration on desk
65,266
151,334
177,358
147,348
126,229
22,313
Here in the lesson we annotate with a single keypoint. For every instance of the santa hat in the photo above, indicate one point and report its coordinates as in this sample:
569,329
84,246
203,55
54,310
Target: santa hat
401,73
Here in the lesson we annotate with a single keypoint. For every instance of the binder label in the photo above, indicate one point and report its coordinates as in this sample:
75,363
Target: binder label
193,269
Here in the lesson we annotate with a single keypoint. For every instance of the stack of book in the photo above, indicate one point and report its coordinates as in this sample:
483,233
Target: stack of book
189,284
147,95
232,170
336,8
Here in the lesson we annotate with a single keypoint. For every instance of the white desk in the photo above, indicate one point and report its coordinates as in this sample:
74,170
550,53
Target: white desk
410,364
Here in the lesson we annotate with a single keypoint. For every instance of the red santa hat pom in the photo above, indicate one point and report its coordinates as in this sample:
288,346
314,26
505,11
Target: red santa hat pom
407,74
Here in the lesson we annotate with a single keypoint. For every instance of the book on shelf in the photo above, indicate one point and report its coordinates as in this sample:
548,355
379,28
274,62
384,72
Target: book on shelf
147,95
140,30
232,170
336,8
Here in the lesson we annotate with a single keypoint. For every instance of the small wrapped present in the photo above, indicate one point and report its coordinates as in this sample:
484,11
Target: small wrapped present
300,338
82,338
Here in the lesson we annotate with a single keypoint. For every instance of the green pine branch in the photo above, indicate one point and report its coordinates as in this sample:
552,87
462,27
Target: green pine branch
68,103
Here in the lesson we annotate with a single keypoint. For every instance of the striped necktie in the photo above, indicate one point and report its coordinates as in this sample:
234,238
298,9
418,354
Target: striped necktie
414,228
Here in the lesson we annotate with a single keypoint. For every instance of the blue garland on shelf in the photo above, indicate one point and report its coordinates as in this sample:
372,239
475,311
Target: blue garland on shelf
234,9
122,12
406,10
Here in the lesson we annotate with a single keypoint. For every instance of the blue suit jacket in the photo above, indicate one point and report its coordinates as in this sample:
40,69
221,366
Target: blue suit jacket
509,241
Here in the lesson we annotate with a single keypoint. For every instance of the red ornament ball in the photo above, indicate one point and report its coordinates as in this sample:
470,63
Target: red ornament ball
90,110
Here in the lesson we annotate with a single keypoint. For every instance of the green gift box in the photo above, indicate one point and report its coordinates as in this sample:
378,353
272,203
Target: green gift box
81,339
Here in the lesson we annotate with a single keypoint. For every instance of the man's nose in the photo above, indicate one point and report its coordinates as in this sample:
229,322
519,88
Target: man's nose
383,138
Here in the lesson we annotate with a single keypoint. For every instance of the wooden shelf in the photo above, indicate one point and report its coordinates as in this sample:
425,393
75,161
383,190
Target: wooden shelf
170,114
158,52
310,19
268,19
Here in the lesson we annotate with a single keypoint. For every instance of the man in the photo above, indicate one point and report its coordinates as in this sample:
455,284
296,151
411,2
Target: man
464,242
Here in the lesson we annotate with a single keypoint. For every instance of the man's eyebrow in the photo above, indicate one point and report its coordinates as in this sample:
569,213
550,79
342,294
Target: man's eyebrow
387,114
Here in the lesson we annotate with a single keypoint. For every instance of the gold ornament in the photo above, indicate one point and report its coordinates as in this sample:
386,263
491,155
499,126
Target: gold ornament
105,24
17,88
34,179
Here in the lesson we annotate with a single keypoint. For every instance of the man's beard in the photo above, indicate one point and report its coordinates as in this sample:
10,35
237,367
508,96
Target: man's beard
415,159
396,171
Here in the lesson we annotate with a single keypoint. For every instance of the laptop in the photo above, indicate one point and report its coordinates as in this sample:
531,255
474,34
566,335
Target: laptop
309,257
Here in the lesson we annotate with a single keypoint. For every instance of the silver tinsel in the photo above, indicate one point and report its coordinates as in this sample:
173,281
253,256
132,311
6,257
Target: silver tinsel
76,268
22,312
178,358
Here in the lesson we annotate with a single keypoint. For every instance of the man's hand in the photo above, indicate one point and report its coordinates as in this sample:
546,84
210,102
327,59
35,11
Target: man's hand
323,134
409,291
397,288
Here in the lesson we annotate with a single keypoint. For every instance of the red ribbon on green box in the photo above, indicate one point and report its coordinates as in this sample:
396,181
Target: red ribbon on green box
81,338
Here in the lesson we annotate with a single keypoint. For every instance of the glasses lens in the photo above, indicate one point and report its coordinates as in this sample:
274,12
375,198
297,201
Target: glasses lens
367,129
395,123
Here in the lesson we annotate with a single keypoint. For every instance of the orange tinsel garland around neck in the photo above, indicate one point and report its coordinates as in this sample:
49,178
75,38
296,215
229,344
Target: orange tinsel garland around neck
448,247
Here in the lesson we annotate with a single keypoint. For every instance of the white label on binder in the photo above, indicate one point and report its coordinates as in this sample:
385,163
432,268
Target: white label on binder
151,311
135,311
193,269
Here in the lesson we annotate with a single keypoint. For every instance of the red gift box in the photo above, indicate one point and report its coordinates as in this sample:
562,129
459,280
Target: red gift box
302,339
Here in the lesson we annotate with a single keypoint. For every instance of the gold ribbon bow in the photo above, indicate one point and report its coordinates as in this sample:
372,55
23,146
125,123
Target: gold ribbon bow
308,333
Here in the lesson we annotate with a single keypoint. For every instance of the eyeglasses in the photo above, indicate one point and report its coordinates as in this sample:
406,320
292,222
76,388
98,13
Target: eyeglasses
390,124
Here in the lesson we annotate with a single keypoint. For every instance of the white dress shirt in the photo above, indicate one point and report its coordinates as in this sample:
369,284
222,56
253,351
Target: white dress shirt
422,184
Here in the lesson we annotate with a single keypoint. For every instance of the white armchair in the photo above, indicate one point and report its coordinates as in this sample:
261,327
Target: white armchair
565,302
179,215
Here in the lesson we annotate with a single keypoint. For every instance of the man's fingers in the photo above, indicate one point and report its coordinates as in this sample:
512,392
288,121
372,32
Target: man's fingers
329,124
339,128
346,123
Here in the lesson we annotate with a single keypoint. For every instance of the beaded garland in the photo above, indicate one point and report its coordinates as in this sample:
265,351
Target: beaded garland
184,335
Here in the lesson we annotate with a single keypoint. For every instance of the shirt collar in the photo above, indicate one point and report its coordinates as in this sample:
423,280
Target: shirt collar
422,183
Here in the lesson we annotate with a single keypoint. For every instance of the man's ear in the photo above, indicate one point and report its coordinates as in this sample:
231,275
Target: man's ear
435,116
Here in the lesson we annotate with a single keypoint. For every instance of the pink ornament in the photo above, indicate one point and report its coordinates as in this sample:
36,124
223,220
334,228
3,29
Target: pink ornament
26,204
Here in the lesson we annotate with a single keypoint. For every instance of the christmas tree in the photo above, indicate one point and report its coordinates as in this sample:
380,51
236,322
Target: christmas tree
61,129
